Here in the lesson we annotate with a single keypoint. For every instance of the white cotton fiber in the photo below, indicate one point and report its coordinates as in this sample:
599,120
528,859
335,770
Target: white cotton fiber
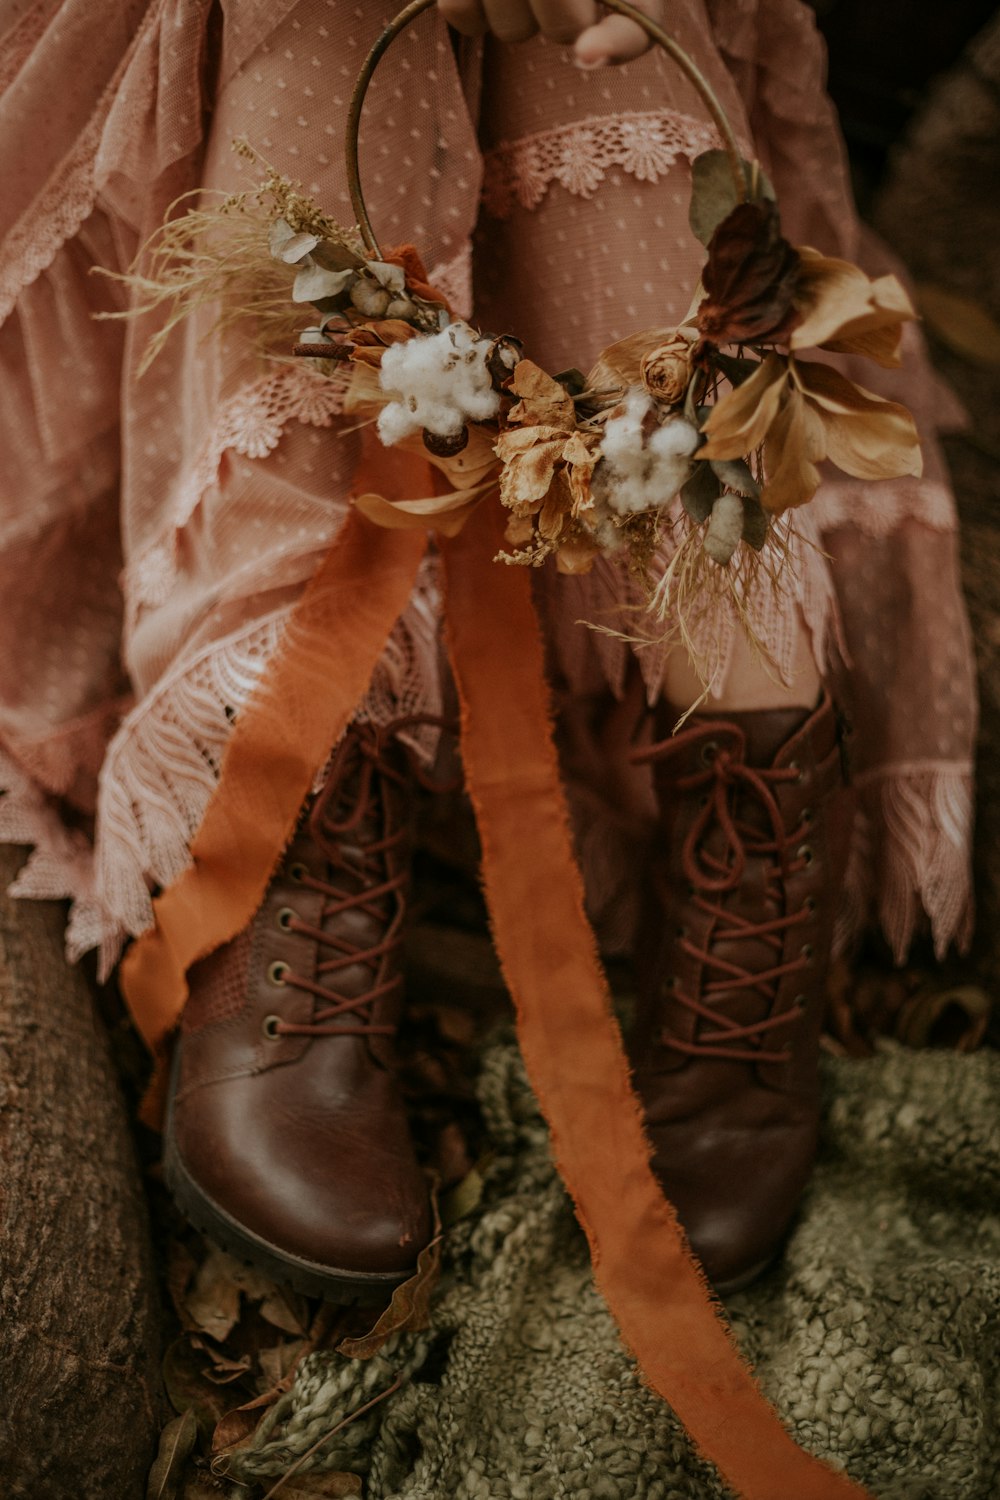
643,473
439,382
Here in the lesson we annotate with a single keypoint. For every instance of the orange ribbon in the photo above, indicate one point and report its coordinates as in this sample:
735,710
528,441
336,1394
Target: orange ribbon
569,1038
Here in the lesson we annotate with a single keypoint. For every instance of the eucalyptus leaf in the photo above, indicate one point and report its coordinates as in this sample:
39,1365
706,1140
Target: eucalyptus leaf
176,1443
313,284
735,475
298,247
756,523
336,257
278,236
700,492
713,191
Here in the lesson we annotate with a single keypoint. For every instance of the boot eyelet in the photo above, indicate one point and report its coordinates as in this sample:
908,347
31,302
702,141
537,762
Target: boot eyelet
285,918
809,904
806,817
269,1026
709,751
805,853
682,932
276,972
298,872
807,951
793,765
800,1002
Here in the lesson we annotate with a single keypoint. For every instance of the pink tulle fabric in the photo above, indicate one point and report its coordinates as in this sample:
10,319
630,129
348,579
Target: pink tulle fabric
155,532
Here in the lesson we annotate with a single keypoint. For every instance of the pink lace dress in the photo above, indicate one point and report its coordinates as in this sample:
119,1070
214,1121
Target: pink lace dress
154,532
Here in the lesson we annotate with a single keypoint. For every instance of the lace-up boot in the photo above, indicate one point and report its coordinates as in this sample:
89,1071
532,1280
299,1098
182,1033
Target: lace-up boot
287,1140
752,846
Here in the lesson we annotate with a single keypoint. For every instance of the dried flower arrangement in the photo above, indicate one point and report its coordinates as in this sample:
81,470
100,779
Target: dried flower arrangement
709,431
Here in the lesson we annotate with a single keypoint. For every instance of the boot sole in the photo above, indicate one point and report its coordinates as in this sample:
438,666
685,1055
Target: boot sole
737,1283
311,1278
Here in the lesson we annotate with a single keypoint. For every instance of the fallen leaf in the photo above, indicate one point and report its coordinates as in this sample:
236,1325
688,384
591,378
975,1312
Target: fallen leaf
177,1442
188,1388
213,1301
410,1305
279,1361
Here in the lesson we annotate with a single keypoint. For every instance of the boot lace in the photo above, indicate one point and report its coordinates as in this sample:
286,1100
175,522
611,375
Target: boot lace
360,878
713,876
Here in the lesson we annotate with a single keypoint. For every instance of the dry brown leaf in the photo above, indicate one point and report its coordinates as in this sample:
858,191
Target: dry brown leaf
188,1386
177,1441
863,434
843,310
738,423
793,448
213,1301
280,1360
542,402
410,1305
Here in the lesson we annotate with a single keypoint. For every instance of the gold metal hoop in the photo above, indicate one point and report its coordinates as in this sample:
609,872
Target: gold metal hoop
620,7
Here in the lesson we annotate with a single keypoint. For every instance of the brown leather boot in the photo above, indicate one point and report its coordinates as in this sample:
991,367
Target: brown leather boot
286,1138
732,962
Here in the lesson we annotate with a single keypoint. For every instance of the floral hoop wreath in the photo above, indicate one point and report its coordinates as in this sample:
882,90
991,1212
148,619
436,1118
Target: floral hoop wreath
715,426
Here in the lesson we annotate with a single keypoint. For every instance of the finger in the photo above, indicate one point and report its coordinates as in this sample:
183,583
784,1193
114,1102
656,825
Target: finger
564,20
615,39
465,16
510,20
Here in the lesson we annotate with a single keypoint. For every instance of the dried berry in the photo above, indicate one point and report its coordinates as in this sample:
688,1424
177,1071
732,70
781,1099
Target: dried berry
445,446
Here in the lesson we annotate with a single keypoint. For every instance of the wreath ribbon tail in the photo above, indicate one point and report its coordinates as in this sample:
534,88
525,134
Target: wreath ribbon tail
298,711
571,1043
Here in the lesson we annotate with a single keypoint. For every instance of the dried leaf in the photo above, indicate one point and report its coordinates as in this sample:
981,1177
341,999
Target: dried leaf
297,248
444,513
410,1305
864,435
277,1362
794,446
542,401
285,1310
177,1442
755,524
700,492
735,475
750,279
213,1301
464,1197
964,325
738,423
845,311
314,284
713,191
188,1387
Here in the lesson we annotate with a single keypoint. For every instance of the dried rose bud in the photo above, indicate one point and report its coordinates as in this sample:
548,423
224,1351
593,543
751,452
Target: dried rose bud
445,446
502,359
666,370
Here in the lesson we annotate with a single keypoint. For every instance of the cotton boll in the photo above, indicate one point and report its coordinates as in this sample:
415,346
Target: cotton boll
644,474
439,382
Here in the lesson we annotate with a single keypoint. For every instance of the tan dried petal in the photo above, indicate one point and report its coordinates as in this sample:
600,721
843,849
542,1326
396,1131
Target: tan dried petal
794,445
739,422
864,435
543,402
842,309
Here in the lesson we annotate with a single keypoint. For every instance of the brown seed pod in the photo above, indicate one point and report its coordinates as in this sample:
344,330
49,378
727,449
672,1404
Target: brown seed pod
503,357
446,446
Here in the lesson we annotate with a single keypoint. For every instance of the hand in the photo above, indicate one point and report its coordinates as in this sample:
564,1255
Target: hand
595,39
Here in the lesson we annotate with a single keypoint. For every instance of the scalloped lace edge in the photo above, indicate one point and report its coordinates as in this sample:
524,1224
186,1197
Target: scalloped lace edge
578,156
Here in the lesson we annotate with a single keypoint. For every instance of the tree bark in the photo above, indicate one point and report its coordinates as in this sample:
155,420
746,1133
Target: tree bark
79,1316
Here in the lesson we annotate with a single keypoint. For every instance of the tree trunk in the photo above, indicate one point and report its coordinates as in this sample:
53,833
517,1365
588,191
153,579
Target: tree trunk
79,1319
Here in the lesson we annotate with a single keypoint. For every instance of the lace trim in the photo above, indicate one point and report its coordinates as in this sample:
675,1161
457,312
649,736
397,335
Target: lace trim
454,278
250,423
919,862
163,764
577,156
61,864
881,509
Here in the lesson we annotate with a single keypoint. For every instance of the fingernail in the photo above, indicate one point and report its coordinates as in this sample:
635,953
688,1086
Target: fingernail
589,65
